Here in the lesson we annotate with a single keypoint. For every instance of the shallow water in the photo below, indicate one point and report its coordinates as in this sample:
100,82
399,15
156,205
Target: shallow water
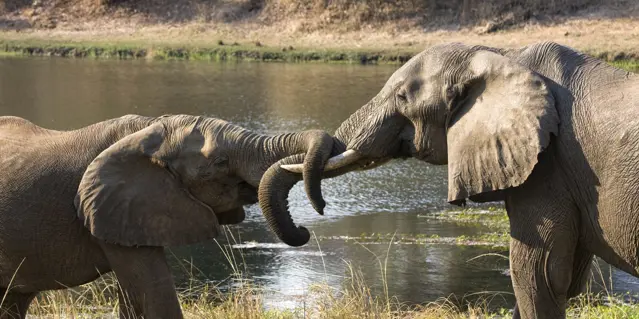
273,98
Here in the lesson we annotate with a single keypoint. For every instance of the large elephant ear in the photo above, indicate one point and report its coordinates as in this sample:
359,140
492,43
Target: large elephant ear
129,196
496,133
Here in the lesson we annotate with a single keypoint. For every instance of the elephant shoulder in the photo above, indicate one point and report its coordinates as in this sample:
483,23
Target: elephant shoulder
17,126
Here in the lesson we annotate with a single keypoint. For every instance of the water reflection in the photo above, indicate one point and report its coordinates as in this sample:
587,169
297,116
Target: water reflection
273,98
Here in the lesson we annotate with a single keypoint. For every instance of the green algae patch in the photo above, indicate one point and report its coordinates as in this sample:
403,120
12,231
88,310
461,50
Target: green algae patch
493,217
491,223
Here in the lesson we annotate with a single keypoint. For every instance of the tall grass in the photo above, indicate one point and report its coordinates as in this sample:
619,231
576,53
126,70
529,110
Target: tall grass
354,299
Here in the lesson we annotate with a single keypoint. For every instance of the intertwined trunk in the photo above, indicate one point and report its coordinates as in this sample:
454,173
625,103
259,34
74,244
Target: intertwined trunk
258,154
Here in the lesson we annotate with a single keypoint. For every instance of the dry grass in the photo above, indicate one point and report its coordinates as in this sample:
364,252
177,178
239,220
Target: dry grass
326,25
341,15
602,37
353,300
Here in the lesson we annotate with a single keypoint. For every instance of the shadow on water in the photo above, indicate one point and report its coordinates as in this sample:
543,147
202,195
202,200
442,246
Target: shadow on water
273,98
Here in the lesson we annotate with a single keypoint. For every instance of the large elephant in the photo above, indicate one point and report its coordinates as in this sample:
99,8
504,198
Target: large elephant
550,131
110,196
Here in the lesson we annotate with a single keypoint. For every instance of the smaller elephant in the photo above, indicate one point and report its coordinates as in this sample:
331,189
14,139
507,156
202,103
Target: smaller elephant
110,196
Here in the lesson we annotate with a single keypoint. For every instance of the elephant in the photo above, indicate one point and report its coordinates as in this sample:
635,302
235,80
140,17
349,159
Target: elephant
111,196
551,132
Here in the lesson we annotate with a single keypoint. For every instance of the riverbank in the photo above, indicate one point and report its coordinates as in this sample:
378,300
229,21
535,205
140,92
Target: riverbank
236,52
222,52
604,33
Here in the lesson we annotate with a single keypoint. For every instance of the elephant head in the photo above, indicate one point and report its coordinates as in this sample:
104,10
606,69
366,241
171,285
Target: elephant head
471,107
179,177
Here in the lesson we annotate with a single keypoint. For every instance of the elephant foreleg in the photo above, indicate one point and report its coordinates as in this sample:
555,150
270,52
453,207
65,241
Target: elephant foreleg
146,285
541,280
546,264
15,304
580,276
580,272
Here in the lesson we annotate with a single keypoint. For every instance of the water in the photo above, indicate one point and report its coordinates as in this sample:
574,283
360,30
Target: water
273,98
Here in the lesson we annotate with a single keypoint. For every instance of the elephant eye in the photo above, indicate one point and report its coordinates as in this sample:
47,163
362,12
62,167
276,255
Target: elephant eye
450,93
402,97
219,161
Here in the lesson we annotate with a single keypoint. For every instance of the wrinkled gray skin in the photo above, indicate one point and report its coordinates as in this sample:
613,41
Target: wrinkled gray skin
110,196
552,132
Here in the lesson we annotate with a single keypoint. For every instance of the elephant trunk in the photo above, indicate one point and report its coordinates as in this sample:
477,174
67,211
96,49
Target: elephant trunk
371,137
279,178
273,198
352,126
317,147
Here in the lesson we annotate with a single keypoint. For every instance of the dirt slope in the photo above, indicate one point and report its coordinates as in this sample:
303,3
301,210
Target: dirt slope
594,25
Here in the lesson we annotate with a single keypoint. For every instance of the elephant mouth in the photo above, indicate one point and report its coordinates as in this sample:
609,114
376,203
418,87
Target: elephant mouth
423,156
404,151
247,194
370,164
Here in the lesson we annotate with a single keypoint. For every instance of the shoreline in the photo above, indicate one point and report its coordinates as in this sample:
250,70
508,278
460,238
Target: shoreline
237,53
219,51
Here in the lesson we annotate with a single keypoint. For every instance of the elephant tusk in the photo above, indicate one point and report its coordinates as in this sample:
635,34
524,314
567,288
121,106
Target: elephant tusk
333,163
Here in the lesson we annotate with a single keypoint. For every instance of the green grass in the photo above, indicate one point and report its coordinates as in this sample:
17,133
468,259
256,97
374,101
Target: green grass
630,65
231,52
225,52
493,218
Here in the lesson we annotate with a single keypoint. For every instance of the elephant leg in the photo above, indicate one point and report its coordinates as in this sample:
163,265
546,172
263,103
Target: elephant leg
15,304
544,245
580,271
580,276
541,280
145,282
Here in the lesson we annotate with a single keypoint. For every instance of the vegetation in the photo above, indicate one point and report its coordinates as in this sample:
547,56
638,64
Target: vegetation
353,300
338,15
342,31
235,52
220,52
492,218
630,65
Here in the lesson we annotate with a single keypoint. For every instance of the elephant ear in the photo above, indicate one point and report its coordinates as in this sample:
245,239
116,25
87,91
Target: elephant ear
503,121
129,195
